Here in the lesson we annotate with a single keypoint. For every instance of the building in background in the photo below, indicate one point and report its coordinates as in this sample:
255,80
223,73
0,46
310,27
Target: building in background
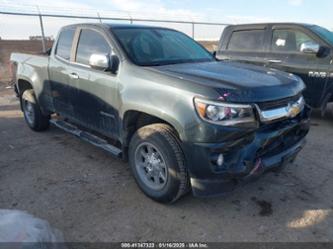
39,38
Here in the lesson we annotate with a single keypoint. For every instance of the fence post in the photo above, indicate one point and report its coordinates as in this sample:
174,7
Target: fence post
42,29
193,30
99,17
130,17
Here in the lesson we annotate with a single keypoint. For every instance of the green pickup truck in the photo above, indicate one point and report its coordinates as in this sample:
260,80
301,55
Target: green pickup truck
153,96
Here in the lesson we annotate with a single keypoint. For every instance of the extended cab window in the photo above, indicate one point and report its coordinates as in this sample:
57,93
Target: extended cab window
289,40
247,40
64,45
91,42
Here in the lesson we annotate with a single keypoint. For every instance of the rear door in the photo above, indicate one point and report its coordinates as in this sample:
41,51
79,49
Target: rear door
244,44
96,99
59,74
285,54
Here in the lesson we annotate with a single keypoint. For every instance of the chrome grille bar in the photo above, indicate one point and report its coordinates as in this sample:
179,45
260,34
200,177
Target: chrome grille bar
289,111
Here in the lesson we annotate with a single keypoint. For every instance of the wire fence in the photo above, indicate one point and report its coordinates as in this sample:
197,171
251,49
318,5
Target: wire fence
42,22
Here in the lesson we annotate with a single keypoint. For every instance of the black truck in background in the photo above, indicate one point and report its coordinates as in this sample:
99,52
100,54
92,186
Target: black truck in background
302,49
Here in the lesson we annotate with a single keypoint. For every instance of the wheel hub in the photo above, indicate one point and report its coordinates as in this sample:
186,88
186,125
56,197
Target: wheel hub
29,111
150,166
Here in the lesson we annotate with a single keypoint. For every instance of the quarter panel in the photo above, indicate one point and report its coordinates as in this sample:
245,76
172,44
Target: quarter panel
34,69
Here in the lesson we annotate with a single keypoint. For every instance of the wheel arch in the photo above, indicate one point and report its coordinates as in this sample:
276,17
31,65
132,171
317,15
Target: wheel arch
135,119
22,86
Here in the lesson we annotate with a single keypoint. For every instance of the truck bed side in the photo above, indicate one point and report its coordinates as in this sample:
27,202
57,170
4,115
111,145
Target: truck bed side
33,70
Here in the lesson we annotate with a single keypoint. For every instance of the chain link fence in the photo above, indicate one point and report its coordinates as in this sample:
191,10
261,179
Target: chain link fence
31,29
32,22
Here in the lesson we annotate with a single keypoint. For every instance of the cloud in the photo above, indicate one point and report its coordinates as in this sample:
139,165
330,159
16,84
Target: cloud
23,26
295,2
248,19
141,9
153,9
134,5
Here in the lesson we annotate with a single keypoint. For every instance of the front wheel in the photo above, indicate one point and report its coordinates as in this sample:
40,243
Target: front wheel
33,116
158,164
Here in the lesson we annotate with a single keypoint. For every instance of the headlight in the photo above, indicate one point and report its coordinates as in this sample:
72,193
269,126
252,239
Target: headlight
225,114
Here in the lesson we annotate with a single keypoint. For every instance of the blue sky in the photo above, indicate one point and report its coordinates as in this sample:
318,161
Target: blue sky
225,11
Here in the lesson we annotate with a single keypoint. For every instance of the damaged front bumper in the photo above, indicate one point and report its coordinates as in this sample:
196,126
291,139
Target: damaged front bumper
269,148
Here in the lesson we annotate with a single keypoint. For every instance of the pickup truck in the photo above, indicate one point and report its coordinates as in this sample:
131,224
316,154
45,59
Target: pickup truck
158,99
302,49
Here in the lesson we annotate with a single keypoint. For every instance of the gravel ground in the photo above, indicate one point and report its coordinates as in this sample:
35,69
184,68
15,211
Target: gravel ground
90,196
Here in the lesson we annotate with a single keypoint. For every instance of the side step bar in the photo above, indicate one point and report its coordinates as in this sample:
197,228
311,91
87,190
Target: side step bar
86,136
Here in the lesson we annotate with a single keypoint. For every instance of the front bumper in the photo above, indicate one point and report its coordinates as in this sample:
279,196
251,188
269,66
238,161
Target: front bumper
269,148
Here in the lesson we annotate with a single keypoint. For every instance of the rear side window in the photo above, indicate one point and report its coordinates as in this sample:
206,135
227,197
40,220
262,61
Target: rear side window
289,40
64,45
247,40
91,42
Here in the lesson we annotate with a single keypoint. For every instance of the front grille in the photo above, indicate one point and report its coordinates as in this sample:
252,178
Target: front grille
278,103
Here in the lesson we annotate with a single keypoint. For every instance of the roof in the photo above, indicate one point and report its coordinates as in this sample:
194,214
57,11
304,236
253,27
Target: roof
115,25
126,25
276,23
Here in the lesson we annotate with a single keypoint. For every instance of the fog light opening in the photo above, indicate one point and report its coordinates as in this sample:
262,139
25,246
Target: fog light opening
220,160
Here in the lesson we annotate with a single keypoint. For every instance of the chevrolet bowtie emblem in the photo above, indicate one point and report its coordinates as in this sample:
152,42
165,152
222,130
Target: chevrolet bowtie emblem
293,109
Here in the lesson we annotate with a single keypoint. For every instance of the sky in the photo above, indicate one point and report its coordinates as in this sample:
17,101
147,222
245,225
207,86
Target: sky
222,11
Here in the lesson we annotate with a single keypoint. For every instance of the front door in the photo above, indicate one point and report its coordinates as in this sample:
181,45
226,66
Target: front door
285,54
95,104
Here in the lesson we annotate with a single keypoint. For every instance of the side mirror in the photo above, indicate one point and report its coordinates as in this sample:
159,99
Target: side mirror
114,64
310,48
99,61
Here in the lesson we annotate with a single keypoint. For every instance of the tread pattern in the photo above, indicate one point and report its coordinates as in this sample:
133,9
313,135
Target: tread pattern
173,140
41,121
169,134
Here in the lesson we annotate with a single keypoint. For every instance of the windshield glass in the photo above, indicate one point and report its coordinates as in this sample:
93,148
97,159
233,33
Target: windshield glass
158,46
323,33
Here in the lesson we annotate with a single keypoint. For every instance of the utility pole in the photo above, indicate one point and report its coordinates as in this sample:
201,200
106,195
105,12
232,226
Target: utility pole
42,29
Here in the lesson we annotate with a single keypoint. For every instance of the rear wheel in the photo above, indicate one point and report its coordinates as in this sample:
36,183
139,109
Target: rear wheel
33,116
158,164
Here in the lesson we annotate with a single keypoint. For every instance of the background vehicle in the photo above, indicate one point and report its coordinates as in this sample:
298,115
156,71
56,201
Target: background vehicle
159,99
301,49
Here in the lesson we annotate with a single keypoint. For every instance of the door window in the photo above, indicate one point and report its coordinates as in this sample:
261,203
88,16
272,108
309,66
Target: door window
91,42
289,40
247,40
64,46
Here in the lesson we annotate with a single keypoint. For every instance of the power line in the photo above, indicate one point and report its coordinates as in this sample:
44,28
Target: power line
33,10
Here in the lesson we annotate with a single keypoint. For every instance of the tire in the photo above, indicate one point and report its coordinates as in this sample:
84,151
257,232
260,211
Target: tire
33,116
158,164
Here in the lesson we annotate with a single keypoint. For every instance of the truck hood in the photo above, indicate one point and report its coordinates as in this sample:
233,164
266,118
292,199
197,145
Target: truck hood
237,82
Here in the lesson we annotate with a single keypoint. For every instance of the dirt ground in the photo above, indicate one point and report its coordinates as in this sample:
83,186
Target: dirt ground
90,196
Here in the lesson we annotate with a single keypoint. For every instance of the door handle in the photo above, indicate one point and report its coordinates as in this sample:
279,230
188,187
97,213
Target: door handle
274,61
74,76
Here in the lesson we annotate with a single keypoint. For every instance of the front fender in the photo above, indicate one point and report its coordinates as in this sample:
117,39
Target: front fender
171,99
177,113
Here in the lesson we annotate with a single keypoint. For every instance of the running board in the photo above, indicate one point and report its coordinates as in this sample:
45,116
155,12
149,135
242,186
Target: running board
86,136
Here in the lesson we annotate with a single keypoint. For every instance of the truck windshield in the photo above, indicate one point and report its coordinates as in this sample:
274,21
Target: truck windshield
323,33
158,46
